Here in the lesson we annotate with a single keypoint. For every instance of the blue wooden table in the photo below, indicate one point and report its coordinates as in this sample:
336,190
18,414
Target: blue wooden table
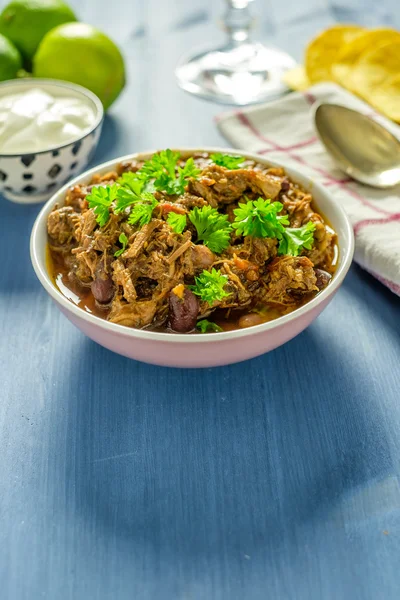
273,479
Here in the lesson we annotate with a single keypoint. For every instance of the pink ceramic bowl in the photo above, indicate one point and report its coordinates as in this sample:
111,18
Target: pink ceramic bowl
200,350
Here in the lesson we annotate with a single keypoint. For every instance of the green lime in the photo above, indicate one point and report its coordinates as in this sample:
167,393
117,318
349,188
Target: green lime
82,54
26,22
10,59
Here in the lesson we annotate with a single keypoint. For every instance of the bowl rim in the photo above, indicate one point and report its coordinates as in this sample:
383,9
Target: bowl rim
27,81
346,251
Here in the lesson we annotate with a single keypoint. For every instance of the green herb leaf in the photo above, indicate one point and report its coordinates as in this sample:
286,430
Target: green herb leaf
100,199
131,192
123,240
259,218
133,181
213,229
125,198
142,211
295,239
188,170
206,326
162,168
229,161
163,162
172,187
177,222
209,285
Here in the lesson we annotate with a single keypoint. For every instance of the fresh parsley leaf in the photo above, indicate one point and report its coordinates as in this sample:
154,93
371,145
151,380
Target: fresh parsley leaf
229,161
188,170
177,222
142,211
125,198
100,199
259,218
295,239
170,186
123,240
131,192
163,162
213,229
209,285
133,181
162,168
206,326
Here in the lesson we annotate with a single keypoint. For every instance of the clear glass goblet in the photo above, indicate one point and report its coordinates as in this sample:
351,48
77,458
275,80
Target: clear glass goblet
241,71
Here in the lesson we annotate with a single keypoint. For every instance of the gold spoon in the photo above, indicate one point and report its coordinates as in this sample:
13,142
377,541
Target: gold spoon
362,148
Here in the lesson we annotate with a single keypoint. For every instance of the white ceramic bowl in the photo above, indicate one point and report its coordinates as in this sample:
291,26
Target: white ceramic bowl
35,176
200,350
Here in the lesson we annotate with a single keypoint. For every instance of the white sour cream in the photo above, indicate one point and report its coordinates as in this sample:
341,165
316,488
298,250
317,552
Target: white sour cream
34,120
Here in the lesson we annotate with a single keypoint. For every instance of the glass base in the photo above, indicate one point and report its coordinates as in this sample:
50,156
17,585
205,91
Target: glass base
239,75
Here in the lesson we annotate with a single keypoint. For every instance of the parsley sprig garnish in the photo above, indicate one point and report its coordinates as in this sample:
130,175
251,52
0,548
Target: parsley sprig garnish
229,161
162,167
123,197
133,181
100,200
260,218
131,194
177,222
142,211
206,326
160,173
209,285
294,239
213,229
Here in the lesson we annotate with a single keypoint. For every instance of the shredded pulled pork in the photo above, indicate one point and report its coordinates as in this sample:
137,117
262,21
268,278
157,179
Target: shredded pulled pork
147,284
217,185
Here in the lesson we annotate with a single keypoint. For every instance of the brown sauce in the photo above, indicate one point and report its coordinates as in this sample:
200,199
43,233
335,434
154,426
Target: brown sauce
76,293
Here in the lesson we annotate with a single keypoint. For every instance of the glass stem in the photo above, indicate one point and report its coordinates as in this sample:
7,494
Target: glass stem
238,21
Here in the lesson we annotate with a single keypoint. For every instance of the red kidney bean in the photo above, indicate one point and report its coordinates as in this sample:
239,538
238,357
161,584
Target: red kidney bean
250,320
103,288
183,311
323,278
285,185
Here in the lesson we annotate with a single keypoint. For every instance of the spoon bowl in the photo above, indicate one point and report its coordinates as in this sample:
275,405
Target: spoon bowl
361,147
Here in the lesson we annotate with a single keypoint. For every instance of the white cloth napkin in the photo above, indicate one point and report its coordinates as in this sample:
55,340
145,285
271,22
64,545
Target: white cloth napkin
284,131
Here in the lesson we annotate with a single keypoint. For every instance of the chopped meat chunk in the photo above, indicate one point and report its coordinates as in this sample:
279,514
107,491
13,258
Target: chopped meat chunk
76,197
141,238
323,251
287,277
135,314
166,207
218,185
122,277
202,257
190,201
61,225
256,250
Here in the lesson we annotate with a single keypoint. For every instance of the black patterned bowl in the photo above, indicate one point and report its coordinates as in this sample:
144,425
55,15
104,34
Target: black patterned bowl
34,177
